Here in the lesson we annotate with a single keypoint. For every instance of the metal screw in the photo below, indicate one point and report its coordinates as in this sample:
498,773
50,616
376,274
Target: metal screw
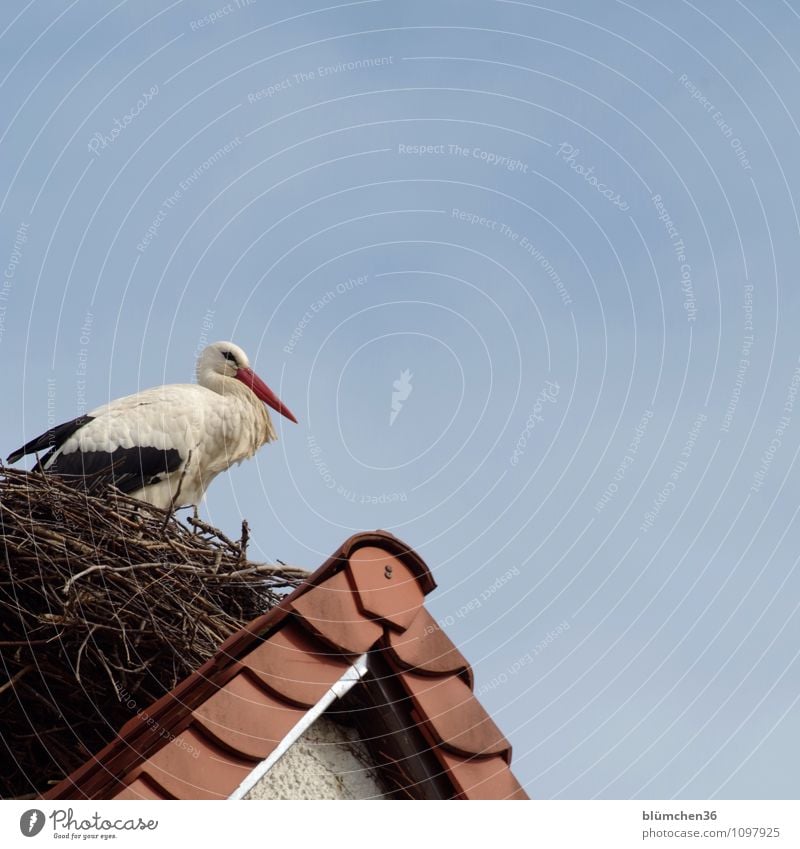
387,571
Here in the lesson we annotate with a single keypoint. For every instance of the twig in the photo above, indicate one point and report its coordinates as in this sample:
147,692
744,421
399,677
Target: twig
102,567
244,540
80,652
13,680
210,529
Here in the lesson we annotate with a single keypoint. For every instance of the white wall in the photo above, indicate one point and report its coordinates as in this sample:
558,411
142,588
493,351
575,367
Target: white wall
326,762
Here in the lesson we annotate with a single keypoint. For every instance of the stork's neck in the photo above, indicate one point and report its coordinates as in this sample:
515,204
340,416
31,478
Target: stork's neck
215,381
241,397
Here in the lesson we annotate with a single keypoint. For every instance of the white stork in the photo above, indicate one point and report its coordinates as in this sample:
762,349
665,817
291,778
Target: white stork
165,445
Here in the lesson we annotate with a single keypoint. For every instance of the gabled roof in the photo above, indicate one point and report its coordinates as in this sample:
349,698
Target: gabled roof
358,626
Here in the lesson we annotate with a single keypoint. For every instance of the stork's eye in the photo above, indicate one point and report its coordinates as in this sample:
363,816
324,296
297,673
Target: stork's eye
230,357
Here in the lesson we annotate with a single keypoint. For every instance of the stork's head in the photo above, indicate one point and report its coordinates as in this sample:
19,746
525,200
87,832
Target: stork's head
225,361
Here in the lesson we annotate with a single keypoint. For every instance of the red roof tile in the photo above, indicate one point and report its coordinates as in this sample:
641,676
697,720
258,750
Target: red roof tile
203,739
385,587
141,788
245,719
192,767
331,612
291,664
482,778
426,648
454,717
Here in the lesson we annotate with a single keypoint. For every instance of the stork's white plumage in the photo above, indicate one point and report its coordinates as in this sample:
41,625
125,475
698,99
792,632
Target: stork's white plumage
165,445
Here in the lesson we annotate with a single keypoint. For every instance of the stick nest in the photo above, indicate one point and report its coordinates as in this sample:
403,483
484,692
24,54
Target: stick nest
106,603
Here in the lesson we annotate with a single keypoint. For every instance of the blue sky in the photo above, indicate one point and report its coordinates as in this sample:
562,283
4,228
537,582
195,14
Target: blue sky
573,224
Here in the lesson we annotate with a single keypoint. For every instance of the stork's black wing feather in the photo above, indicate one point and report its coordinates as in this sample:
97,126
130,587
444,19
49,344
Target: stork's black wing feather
128,469
52,439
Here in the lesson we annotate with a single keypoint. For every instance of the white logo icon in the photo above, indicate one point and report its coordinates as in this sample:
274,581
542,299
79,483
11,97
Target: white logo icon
402,389
31,822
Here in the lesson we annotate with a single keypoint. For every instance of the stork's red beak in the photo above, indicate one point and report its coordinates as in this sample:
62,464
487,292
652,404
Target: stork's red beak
260,389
